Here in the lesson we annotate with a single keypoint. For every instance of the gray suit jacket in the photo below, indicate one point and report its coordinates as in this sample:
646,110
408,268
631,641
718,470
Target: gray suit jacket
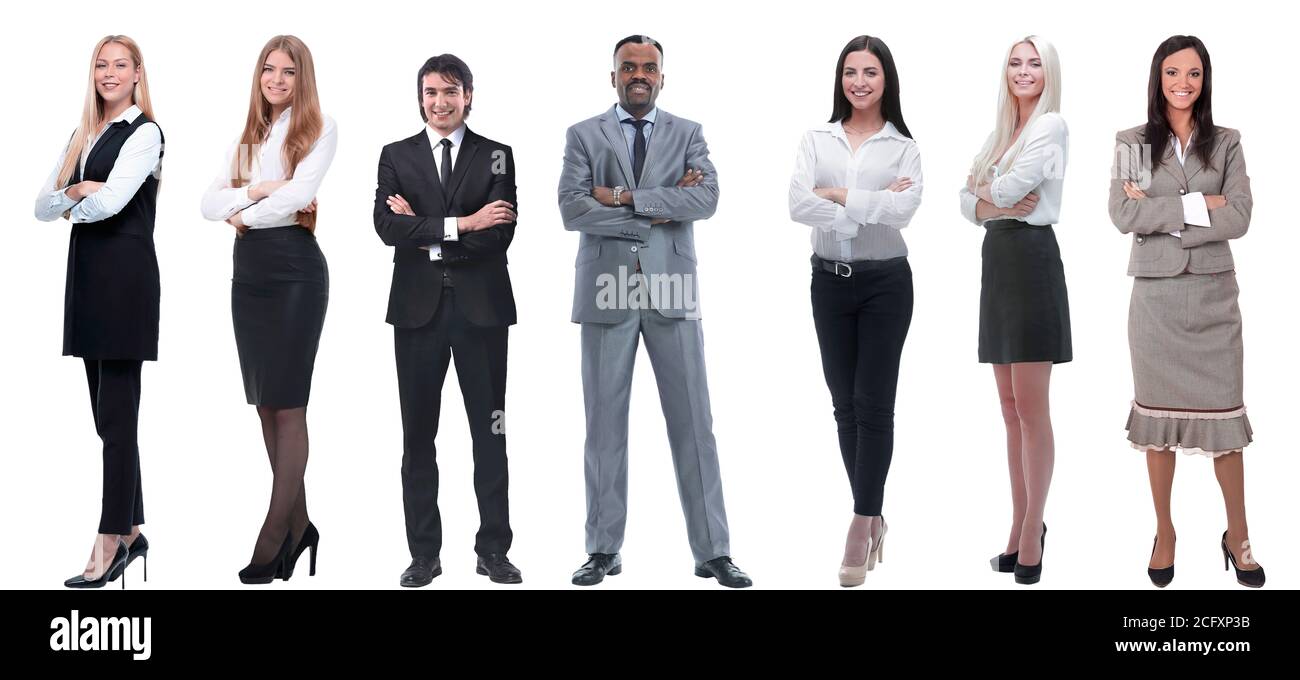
615,240
1201,250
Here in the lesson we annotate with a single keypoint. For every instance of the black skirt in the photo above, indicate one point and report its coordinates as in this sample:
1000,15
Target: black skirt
278,298
1024,308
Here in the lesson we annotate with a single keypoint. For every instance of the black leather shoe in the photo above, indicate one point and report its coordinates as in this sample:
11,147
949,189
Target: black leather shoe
498,569
1251,578
310,540
1029,575
1160,577
421,572
1005,563
598,565
115,569
726,571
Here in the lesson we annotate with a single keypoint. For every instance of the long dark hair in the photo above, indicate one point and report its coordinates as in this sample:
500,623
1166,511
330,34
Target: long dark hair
890,107
1157,130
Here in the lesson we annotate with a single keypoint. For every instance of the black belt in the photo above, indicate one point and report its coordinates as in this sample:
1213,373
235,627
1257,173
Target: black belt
847,269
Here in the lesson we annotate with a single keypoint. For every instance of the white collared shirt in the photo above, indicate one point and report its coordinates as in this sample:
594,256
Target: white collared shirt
867,226
1195,212
449,230
1039,168
280,209
139,158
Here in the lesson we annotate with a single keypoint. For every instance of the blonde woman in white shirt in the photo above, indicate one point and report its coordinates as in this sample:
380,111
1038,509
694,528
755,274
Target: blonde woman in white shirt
857,182
267,191
1014,192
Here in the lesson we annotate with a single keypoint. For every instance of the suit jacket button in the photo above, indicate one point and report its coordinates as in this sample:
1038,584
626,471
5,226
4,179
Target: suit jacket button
1182,191
1141,240
634,249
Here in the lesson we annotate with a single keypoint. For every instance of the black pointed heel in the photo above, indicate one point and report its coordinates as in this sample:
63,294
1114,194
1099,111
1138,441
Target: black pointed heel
115,569
139,548
310,539
1252,578
260,574
1160,577
1027,576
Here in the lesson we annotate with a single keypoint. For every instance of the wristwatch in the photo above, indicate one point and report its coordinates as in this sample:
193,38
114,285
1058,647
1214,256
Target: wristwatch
618,191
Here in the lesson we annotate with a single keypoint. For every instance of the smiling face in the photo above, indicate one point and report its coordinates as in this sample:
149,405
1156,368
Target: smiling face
278,73
116,74
862,80
444,103
637,77
1025,77
1181,79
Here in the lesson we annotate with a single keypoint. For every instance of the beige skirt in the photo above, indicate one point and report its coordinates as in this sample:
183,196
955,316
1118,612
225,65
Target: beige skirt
1185,341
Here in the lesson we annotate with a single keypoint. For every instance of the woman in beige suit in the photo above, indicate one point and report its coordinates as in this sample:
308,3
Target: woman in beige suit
1179,186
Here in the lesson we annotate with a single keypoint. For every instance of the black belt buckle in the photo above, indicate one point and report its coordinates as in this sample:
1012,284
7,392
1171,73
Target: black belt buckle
846,272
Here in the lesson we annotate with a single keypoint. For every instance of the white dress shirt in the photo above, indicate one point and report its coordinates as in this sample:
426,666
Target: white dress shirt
139,157
280,209
1195,212
1040,169
867,226
449,229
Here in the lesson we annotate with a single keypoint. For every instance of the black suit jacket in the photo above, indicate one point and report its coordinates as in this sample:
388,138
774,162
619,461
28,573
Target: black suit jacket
484,171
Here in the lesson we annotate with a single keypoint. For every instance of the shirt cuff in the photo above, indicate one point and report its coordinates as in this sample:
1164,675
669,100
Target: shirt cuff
435,252
60,202
449,230
843,226
1195,212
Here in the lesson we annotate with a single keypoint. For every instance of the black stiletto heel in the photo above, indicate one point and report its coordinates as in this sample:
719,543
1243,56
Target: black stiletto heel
1253,578
1160,577
310,539
139,548
259,574
1026,576
115,569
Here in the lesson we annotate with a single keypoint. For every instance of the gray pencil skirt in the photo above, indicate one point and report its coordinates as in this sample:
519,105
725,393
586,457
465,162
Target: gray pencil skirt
1185,341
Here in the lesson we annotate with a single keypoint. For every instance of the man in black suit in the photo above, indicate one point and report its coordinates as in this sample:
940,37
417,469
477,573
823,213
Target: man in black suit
446,203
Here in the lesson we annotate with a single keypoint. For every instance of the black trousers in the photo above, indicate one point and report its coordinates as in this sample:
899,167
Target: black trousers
423,355
115,404
862,321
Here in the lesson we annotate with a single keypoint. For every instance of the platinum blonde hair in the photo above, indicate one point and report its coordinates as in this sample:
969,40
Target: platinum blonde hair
1009,109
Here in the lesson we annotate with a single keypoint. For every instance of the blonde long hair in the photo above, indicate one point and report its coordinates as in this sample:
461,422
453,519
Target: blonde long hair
92,112
305,121
1009,110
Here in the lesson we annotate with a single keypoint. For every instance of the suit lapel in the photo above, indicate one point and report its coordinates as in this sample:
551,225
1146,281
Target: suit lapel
663,126
613,130
427,167
1192,165
468,147
1170,163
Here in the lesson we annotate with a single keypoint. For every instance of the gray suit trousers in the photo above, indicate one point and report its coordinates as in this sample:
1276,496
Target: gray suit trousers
676,349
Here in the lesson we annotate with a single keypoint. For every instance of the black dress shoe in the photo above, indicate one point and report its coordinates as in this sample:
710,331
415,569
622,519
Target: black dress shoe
1005,563
726,571
421,572
115,569
310,539
1027,576
1160,577
1251,578
498,569
598,565
262,574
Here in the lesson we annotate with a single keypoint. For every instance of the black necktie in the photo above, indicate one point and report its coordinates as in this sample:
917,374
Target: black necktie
638,147
445,169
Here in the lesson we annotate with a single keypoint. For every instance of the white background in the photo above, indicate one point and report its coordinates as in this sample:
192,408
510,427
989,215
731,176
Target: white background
756,81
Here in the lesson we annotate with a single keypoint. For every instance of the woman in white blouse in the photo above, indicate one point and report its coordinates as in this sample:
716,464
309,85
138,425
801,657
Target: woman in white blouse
1014,192
857,182
267,191
106,184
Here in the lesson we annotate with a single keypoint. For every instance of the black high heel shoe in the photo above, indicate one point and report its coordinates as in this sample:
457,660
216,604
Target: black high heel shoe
258,574
310,539
1006,562
139,548
115,569
1253,578
1160,577
1026,576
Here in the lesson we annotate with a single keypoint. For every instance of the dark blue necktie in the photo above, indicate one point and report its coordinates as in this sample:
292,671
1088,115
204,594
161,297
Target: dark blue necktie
638,147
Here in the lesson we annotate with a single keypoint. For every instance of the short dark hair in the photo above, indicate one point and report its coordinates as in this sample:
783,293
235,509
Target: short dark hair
450,67
643,39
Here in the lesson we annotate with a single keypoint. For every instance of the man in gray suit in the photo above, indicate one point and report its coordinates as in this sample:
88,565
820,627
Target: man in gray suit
635,179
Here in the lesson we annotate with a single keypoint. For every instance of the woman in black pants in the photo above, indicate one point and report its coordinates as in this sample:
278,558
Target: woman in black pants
106,184
267,192
857,182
